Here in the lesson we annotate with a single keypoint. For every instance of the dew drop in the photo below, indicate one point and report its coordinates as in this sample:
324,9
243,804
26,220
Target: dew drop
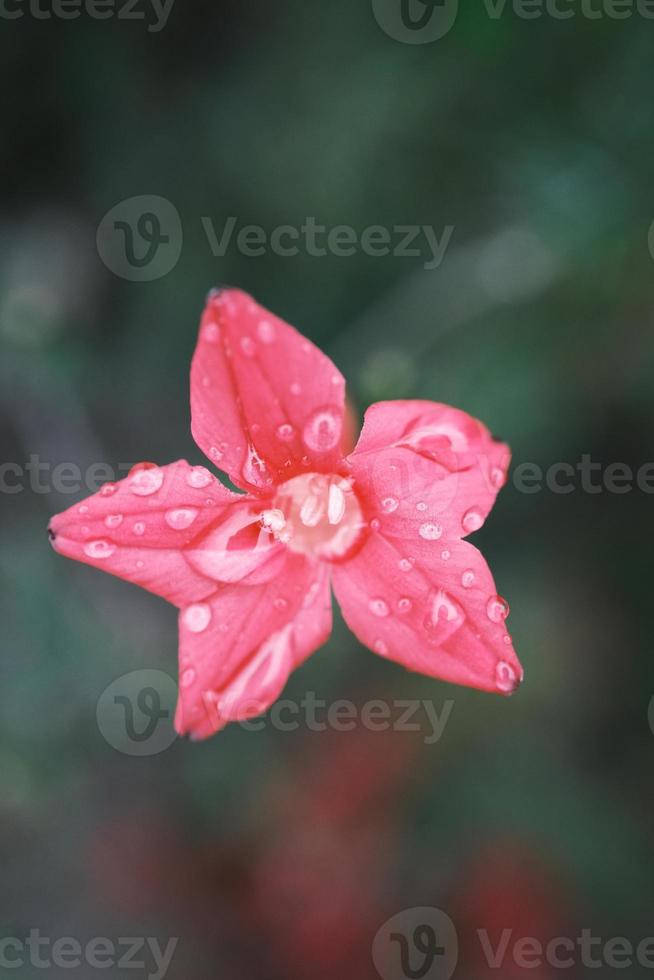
145,482
472,520
497,609
468,578
390,504
215,454
139,528
140,564
380,647
108,489
404,605
198,477
505,677
280,603
322,430
378,607
99,549
265,332
248,346
113,520
445,554
285,432
430,532
375,524
255,470
296,389
497,476
421,506
187,678
211,333
197,617
405,565
180,518
84,509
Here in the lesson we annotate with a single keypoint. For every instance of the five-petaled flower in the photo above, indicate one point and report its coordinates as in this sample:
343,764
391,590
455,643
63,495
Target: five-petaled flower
252,573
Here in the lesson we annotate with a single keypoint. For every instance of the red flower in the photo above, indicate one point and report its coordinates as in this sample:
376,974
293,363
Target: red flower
251,573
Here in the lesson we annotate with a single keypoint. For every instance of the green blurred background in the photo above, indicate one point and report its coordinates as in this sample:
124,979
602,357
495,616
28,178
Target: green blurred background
276,854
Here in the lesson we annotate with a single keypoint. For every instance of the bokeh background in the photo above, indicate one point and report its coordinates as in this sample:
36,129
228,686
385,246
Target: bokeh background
273,854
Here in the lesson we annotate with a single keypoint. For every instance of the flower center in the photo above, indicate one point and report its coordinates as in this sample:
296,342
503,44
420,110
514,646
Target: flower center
317,514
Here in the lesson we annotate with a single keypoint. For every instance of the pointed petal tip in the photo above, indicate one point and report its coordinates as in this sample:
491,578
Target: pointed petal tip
216,290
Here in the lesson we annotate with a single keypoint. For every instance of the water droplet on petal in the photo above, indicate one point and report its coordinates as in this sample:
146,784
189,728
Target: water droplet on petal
390,504
113,520
145,482
139,528
266,331
405,565
378,607
472,520
322,430
497,609
211,333
505,677
197,617
198,477
404,605
445,554
422,506
498,477
375,524
180,518
296,389
280,603
468,578
84,509
187,678
380,647
444,616
507,639
430,532
215,454
99,549
108,489
255,470
248,346
285,432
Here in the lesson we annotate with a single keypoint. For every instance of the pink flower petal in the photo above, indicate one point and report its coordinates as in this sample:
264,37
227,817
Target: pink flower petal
238,648
139,528
266,404
424,468
432,608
